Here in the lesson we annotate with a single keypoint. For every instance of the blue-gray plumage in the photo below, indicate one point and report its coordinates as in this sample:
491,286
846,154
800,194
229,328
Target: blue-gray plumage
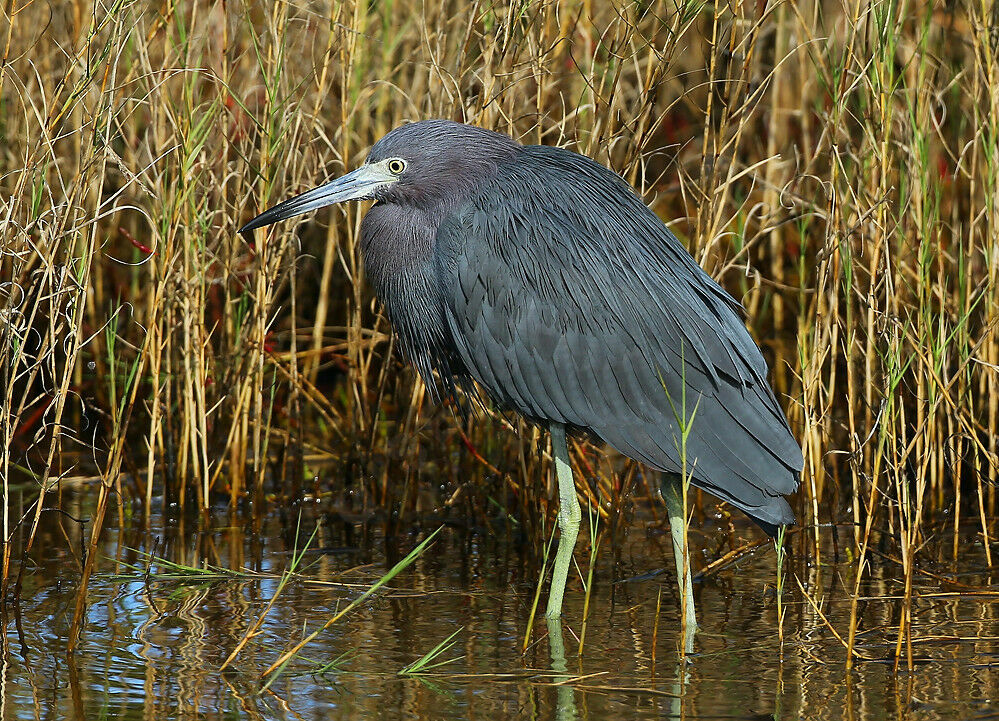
538,274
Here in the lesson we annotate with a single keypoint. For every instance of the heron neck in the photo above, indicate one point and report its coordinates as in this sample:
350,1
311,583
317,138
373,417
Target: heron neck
397,245
396,241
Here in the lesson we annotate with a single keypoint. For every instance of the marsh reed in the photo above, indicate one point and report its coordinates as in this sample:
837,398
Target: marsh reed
833,164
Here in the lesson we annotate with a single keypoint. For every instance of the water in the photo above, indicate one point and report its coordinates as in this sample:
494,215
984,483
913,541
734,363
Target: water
152,646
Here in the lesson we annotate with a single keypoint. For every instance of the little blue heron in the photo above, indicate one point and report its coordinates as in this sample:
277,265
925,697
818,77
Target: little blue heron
539,275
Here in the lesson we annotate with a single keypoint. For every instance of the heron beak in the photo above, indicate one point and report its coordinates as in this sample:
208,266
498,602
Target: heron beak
360,184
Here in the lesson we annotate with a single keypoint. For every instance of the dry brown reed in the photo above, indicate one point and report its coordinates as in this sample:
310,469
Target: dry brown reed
833,164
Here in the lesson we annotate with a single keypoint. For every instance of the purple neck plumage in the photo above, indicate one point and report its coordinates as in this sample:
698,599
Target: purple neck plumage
398,235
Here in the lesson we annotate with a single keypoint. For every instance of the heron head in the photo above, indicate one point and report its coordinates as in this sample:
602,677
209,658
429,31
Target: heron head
426,164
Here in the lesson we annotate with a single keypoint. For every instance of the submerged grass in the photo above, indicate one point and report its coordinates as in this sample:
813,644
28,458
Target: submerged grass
277,668
432,659
834,164
172,571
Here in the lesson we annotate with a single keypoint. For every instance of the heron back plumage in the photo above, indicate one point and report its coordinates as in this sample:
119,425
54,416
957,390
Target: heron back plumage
568,300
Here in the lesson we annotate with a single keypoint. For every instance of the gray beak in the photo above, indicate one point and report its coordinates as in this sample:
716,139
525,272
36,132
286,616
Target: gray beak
360,184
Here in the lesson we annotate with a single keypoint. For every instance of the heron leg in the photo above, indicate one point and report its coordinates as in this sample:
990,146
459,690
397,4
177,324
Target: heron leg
568,519
675,507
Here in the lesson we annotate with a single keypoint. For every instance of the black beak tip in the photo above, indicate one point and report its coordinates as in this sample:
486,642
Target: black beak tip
247,230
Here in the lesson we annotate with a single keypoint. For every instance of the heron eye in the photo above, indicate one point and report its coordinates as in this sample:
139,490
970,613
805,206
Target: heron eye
396,166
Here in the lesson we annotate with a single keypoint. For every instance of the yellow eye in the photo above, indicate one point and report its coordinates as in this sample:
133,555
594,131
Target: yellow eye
396,166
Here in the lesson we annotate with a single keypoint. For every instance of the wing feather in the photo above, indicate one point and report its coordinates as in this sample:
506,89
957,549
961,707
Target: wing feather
582,308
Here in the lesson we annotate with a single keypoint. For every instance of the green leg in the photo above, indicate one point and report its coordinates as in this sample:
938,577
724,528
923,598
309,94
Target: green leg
568,519
673,495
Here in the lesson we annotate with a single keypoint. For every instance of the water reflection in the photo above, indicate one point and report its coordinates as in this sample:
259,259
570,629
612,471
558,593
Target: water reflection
565,703
153,642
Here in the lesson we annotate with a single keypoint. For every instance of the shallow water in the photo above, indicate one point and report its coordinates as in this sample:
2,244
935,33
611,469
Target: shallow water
152,645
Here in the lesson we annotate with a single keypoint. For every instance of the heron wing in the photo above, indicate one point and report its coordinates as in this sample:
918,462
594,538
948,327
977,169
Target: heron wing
570,301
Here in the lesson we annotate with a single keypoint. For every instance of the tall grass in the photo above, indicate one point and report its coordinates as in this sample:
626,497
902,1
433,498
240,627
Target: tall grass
833,164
